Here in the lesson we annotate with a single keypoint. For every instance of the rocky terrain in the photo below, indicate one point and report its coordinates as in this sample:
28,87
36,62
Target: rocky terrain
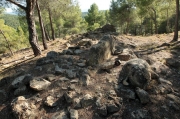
96,75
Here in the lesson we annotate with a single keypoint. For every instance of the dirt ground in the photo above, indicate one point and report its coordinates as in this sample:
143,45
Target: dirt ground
155,49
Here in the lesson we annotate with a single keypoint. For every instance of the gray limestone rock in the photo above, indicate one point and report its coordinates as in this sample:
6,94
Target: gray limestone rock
20,91
69,96
85,78
77,103
50,101
140,114
71,74
21,81
73,114
52,55
39,84
24,108
101,51
143,95
78,51
87,100
60,115
128,93
102,110
59,70
137,73
3,96
112,108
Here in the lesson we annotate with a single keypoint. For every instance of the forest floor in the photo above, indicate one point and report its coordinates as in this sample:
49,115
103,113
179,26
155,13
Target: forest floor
156,49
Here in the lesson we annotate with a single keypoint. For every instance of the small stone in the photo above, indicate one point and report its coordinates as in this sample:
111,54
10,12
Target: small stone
87,100
20,91
50,77
18,82
72,87
52,55
69,52
112,93
81,64
59,70
112,108
140,114
74,81
107,65
50,101
60,115
3,96
77,103
124,57
69,96
73,114
85,78
143,95
64,79
39,84
102,110
71,74
128,93
78,51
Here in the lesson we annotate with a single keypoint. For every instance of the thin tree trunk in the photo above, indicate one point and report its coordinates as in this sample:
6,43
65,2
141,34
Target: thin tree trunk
175,38
59,31
155,20
52,29
32,27
47,35
7,42
167,27
42,27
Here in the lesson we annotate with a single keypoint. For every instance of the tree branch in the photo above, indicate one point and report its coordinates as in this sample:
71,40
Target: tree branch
19,5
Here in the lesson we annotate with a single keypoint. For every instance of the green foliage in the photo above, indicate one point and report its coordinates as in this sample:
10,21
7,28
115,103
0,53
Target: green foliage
11,20
95,18
16,39
142,16
123,12
93,27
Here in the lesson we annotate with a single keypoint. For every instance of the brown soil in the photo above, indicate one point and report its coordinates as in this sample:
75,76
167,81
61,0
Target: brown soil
155,48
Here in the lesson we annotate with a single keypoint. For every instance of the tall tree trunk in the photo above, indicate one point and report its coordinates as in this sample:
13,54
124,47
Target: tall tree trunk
29,9
42,27
155,21
175,38
52,29
31,27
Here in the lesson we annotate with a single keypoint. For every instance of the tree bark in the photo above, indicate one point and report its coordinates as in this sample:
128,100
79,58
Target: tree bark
175,38
42,27
31,26
47,35
29,9
52,29
155,20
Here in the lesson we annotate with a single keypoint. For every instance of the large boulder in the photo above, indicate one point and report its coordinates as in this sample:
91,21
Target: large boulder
137,73
101,51
108,28
23,108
